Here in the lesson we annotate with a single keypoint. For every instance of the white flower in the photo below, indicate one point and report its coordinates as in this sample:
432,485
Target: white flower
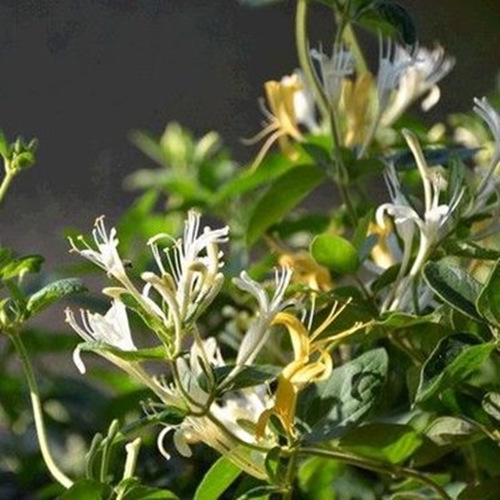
244,405
406,218
393,63
258,333
303,102
106,255
426,69
333,71
492,118
194,276
112,328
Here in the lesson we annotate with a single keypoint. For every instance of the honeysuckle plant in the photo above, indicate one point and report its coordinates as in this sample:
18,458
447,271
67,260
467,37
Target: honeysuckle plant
267,348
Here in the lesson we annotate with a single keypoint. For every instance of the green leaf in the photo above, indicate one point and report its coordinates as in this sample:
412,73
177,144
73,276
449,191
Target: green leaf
330,408
454,286
216,481
390,18
53,292
396,320
272,167
392,443
470,250
20,266
4,146
316,476
335,253
140,492
283,195
488,302
87,489
491,405
452,430
386,278
319,154
453,361
274,467
248,376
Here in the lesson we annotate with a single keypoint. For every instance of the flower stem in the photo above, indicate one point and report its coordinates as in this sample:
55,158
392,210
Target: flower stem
290,474
7,180
305,60
351,40
377,467
57,474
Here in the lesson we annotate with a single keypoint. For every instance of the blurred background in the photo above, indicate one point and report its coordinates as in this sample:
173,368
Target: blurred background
80,75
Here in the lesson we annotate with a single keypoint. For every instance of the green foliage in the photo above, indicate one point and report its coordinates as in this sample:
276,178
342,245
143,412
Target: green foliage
366,365
454,286
217,480
335,253
329,409
452,362
394,443
281,197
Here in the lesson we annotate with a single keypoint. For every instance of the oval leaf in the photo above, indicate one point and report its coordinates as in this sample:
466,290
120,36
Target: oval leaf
335,253
54,292
392,443
454,286
454,360
217,480
329,409
488,302
287,192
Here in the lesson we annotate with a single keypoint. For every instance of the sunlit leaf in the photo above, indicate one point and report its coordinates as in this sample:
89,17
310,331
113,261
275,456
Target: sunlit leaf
330,408
283,195
453,361
392,443
336,253
454,286
53,292
217,480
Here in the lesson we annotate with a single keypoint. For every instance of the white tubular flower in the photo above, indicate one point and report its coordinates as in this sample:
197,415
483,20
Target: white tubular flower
426,69
106,255
333,70
194,278
258,332
393,62
492,118
112,328
234,408
406,218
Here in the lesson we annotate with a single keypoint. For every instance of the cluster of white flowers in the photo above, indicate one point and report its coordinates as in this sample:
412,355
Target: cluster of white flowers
184,288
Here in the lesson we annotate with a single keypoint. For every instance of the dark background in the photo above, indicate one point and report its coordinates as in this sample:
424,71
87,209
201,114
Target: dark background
80,74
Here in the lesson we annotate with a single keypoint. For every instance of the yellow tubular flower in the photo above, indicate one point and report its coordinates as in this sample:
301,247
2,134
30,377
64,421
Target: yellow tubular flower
311,363
357,98
307,271
289,105
382,253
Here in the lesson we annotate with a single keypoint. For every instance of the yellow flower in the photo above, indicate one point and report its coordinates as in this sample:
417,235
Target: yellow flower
311,363
382,253
290,104
307,271
357,100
